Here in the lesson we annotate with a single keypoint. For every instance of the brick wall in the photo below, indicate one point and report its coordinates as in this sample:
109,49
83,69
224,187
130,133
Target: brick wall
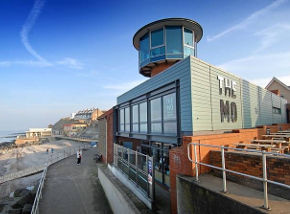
278,169
106,138
102,137
180,165
110,137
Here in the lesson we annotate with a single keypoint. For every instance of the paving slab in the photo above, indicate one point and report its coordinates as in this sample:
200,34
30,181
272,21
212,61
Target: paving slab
74,189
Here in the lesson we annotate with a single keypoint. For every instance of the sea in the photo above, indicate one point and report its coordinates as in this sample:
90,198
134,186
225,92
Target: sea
10,136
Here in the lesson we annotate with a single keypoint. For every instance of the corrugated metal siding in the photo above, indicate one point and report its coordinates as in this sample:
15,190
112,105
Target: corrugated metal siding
258,106
200,98
277,104
206,98
254,104
180,71
276,101
251,104
266,115
283,111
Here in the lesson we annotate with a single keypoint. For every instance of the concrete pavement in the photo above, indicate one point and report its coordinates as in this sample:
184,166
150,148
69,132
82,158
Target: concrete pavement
70,189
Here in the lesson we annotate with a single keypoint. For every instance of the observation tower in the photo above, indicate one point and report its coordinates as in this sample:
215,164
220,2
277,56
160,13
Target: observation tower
165,42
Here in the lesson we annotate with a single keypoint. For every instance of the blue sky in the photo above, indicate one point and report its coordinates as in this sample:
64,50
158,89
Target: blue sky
61,56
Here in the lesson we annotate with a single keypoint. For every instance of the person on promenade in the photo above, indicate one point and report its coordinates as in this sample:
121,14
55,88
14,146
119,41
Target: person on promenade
79,156
46,151
51,150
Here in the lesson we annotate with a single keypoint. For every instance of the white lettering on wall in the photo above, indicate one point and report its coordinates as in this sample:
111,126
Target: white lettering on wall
228,110
227,86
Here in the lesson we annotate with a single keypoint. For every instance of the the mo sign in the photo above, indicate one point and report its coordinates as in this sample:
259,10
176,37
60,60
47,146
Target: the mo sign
228,110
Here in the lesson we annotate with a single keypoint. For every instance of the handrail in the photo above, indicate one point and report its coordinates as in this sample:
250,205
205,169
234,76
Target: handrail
54,157
224,170
38,193
49,161
119,152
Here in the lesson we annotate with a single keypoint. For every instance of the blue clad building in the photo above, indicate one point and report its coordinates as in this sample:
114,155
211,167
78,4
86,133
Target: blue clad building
184,95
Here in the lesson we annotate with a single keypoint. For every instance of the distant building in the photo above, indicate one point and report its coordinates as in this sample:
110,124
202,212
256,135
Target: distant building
38,132
72,129
88,114
282,90
72,115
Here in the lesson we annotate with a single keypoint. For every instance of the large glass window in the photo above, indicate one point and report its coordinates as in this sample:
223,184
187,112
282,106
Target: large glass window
157,51
127,119
188,37
135,118
157,38
174,40
156,116
169,114
122,120
163,116
143,117
144,48
188,51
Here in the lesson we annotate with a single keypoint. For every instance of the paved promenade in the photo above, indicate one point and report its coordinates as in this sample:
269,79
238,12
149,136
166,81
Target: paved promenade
70,189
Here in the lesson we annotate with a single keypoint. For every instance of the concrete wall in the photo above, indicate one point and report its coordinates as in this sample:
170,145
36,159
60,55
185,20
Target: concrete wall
194,198
121,200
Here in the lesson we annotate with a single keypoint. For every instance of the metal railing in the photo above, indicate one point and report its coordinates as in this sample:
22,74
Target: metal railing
35,207
53,158
135,166
224,170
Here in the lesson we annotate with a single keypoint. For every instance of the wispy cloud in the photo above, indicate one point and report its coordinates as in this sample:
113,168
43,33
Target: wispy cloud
40,61
244,23
70,63
271,35
30,63
87,74
122,87
262,65
30,21
5,64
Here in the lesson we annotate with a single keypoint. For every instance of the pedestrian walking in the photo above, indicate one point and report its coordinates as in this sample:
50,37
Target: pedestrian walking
79,156
51,150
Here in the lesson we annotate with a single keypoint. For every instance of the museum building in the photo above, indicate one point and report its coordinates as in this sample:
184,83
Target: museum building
185,96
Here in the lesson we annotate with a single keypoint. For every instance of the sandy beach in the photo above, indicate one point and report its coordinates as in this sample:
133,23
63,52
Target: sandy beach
22,158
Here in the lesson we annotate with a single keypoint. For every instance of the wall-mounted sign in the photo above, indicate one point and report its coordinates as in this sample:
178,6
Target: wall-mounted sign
169,106
150,172
228,110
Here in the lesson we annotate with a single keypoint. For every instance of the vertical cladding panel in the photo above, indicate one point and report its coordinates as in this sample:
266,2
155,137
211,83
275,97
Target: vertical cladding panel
266,114
276,101
180,71
251,105
218,96
200,84
283,111
277,104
